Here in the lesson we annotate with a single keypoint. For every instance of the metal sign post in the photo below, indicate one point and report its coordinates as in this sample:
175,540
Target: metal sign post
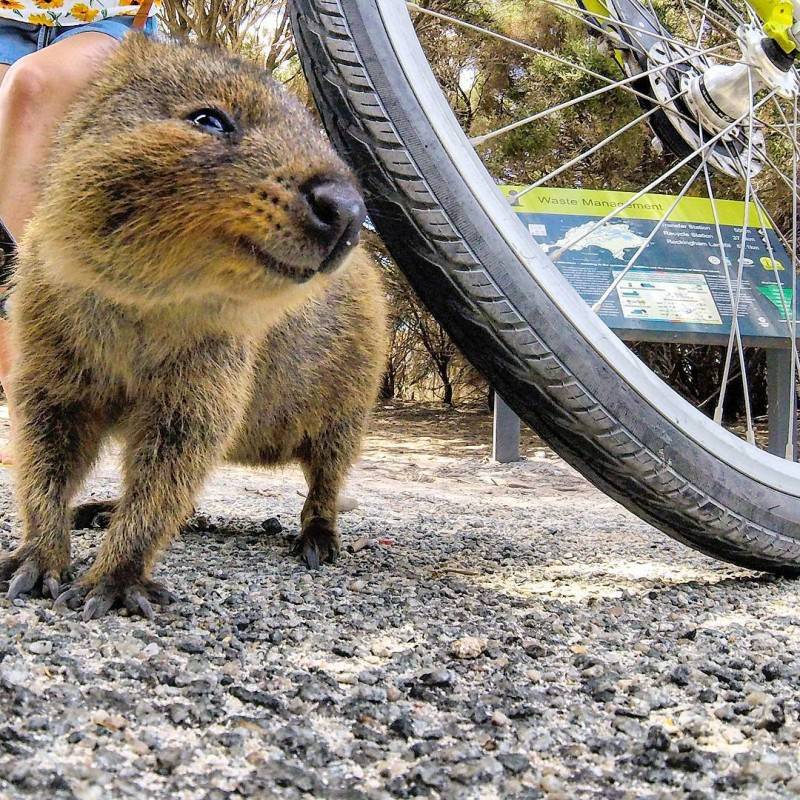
505,439
782,404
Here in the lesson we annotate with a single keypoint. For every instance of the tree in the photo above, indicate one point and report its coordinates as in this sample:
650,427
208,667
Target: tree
256,29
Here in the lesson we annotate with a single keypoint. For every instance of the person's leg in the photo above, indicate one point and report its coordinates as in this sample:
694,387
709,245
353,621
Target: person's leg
35,92
34,95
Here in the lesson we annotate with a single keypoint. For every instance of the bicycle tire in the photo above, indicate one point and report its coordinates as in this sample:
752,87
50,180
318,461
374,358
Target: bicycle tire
517,319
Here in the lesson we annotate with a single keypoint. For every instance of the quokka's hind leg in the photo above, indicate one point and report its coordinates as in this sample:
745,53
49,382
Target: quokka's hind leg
94,514
97,514
56,442
326,460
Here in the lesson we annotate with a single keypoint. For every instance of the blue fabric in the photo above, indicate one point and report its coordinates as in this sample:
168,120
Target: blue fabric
18,39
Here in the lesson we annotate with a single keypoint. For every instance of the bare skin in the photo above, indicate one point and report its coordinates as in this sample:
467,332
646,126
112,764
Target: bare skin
35,93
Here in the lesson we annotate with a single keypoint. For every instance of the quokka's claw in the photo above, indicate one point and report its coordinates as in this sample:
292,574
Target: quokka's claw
158,593
318,544
137,598
23,573
311,555
97,604
137,603
70,598
25,578
52,585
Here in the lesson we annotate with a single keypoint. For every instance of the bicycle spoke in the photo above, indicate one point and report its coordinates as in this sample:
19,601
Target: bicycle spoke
788,138
791,247
762,214
735,311
613,83
690,37
719,21
701,27
641,118
783,238
785,124
586,17
735,335
777,170
485,137
649,238
689,22
794,362
779,128
754,20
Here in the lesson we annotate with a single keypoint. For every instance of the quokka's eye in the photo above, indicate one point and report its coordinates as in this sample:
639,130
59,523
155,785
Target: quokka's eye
212,120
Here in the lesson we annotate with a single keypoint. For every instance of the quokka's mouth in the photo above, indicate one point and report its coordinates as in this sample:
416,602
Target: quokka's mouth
272,264
348,241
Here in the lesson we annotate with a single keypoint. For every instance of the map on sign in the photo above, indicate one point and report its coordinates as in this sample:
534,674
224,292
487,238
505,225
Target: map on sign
679,287
614,237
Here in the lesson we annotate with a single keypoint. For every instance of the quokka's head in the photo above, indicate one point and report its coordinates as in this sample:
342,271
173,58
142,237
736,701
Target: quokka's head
184,174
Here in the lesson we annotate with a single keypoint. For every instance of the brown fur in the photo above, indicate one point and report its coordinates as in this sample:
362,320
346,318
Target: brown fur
138,311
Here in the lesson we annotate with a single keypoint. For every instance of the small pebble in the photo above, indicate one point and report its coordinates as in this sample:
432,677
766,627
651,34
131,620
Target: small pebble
272,526
468,647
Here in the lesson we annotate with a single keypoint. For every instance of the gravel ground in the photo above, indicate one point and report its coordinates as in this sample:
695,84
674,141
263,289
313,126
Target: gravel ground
510,633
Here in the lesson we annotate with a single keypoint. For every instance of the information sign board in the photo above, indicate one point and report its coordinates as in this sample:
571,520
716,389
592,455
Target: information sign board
678,289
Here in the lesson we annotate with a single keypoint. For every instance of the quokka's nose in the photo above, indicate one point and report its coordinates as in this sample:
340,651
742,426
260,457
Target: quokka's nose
336,213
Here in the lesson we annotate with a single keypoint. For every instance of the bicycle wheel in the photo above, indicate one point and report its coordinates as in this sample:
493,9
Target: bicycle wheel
509,308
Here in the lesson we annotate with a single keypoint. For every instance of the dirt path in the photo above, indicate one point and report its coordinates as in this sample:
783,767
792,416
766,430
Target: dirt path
511,633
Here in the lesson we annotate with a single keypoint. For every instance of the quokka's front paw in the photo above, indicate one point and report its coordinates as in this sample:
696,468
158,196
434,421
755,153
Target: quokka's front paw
318,543
24,570
99,598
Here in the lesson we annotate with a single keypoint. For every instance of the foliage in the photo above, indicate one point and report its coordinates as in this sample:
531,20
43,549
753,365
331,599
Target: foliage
256,29
423,362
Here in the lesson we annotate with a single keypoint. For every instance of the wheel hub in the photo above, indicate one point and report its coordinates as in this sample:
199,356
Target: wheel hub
685,126
722,94
701,100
